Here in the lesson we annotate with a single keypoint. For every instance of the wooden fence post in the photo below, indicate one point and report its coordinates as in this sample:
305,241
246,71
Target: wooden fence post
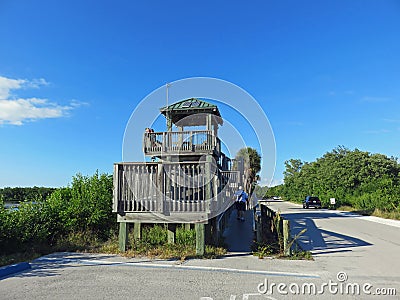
137,230
200,240
286,238
262,223
123,236
171,233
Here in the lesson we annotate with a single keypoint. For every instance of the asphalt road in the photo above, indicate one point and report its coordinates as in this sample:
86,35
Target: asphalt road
362,251
366,248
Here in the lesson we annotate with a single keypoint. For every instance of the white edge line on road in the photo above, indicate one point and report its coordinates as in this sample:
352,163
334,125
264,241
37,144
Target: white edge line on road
389,222
197,268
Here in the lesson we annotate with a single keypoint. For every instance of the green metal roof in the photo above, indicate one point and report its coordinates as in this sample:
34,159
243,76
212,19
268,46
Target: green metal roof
190,104
193,107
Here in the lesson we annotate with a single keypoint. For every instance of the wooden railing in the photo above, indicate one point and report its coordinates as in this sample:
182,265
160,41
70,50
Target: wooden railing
135,187
172,187
180,142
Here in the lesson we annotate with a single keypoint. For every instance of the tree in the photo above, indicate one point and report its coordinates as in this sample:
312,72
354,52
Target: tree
357,178
292,167
251,166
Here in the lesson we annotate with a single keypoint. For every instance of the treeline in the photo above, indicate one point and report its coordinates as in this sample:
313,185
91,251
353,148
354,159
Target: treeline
18,194
355,178
84,207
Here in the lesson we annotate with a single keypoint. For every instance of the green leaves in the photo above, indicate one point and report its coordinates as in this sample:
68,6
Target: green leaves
252,160
358,178
85,206
252,165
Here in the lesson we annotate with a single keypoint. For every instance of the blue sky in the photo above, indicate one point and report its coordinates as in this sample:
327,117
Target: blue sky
326,73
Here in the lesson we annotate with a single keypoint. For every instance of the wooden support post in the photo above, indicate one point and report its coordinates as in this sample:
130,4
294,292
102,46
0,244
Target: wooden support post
286,238
200,241
187,226
117,189
160,185
137,230
208,232
207,169
262,225
211,233
258,224
171,233
123,236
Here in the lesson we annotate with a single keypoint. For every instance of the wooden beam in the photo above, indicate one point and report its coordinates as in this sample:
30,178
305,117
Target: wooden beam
123,236
116,188
152,217
137,230
160,185
286,237
208,233
214,234
171,233
200,240
208,186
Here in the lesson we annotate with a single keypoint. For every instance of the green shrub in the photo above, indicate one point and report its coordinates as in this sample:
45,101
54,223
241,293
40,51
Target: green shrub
84,207
155,235
185,237
356,178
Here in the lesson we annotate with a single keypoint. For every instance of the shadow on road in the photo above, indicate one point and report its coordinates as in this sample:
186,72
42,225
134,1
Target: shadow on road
239,235
49,265
320,240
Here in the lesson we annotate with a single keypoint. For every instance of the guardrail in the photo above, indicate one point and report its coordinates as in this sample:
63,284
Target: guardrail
270,223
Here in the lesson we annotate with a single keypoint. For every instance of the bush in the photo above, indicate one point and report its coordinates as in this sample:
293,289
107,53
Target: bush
360,179
185,237
155,235
84,208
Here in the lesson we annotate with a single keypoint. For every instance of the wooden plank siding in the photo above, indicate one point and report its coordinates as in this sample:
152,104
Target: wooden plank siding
167,188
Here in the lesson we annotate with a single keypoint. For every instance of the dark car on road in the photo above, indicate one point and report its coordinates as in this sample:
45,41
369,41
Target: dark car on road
311,201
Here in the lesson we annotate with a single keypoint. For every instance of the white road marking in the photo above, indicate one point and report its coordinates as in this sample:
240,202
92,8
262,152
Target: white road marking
195,268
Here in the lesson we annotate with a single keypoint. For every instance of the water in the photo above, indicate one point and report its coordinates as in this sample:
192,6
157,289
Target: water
11,205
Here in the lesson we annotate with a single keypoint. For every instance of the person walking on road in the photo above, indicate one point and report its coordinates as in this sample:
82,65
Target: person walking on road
240,198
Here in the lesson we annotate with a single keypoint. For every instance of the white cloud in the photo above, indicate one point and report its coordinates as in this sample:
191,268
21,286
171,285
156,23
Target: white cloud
75,103
36,83
17,111
7,84
269,182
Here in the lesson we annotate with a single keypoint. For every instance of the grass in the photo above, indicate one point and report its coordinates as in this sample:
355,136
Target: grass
394,214
153,244
262,250
300,255
273,244
272,250
14,258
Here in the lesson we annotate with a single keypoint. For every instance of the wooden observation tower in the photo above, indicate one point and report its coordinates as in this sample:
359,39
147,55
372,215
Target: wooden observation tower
189,180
